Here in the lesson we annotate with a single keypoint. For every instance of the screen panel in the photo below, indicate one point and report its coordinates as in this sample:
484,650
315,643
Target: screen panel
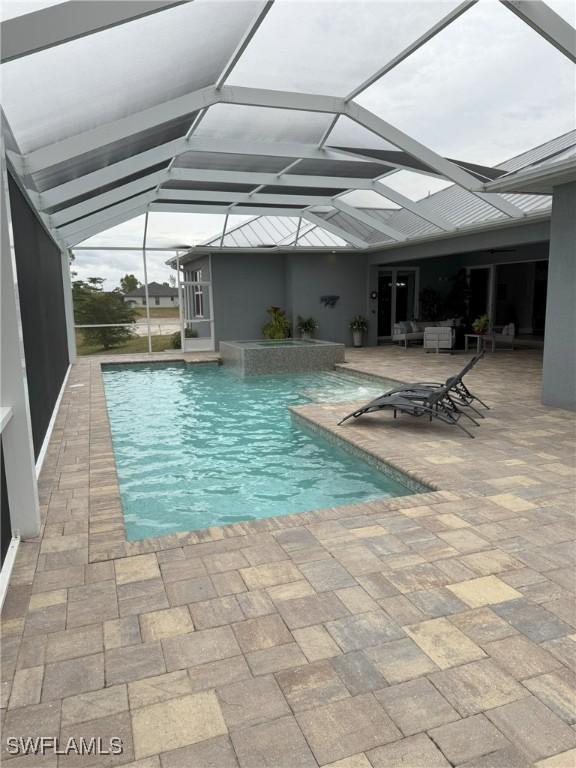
247,123
71,88
41,293
484,89
330,47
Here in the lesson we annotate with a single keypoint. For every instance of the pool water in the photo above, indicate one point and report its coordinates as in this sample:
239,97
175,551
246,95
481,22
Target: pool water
197,445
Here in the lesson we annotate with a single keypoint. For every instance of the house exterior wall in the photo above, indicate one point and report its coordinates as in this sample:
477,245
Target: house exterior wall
245,284
312,275
559,374
436,272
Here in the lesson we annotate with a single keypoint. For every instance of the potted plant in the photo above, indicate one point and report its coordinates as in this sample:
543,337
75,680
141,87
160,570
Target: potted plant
481,325
306,326
278,326
358,325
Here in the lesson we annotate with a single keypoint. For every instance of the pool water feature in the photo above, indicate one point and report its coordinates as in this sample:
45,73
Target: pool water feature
198,446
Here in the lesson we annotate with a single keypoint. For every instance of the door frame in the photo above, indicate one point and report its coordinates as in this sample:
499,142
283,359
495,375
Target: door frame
491,288
394,271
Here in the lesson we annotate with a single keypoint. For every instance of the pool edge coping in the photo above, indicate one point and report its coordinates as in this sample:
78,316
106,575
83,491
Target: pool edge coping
102,548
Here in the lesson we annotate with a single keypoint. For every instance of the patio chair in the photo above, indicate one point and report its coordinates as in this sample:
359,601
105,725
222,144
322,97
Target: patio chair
436,404
456,387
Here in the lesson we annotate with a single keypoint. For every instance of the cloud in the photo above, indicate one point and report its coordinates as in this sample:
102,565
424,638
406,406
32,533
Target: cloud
485,89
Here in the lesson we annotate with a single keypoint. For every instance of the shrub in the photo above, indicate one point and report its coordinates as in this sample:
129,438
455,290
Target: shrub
175,340
307,324
481,324
93,306
278,327
358,323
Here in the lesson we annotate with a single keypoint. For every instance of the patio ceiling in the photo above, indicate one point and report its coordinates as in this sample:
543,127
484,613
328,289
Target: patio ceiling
110,112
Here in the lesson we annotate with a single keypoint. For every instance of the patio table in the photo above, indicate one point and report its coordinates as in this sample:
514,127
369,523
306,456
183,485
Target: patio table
480,341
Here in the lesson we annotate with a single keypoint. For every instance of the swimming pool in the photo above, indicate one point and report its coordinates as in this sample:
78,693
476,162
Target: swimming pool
198,446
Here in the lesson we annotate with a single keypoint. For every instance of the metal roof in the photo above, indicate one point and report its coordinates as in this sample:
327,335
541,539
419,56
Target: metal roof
225,107
460,207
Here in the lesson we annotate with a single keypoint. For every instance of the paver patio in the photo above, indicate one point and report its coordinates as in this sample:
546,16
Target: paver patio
428,630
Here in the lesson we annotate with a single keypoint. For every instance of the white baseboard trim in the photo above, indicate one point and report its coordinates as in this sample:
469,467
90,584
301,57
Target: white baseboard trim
7,566
48,435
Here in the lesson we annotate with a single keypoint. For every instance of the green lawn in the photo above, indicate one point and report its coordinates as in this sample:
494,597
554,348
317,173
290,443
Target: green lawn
135,345
158,312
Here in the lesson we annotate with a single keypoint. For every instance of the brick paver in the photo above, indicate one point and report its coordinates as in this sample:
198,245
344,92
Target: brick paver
432,629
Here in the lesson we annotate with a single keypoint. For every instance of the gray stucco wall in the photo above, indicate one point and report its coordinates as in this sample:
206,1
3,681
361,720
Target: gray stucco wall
559,375
243,286
310,276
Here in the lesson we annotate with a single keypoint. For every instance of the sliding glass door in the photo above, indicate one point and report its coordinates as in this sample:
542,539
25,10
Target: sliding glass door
397,298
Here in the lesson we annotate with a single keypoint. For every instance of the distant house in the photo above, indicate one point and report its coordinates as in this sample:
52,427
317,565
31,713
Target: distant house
159,294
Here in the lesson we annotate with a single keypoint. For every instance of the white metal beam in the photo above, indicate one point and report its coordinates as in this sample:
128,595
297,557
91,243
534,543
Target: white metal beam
414,46
86,207
17,445
80,236
170,110
329,226
85,184
264,97
105,134
401,140
547,23
57,24
164,152
328,131
497,201
269,179
427,214
243,44
368,219
126,127
271,149
220,208
103,218
396,165
242,197
111,173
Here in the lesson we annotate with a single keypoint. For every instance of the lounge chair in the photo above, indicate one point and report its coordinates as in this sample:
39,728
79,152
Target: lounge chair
436,404
443,398
458,390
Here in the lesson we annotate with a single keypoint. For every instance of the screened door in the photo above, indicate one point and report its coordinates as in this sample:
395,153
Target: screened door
196,309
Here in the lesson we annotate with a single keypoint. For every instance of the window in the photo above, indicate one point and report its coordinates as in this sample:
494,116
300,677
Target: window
157,300
197,294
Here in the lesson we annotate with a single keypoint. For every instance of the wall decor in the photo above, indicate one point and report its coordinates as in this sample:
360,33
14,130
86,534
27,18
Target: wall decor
329,301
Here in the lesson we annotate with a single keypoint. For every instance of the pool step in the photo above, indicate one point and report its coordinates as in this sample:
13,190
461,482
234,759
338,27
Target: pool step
341,388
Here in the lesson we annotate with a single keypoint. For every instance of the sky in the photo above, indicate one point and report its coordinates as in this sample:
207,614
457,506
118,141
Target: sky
483,90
